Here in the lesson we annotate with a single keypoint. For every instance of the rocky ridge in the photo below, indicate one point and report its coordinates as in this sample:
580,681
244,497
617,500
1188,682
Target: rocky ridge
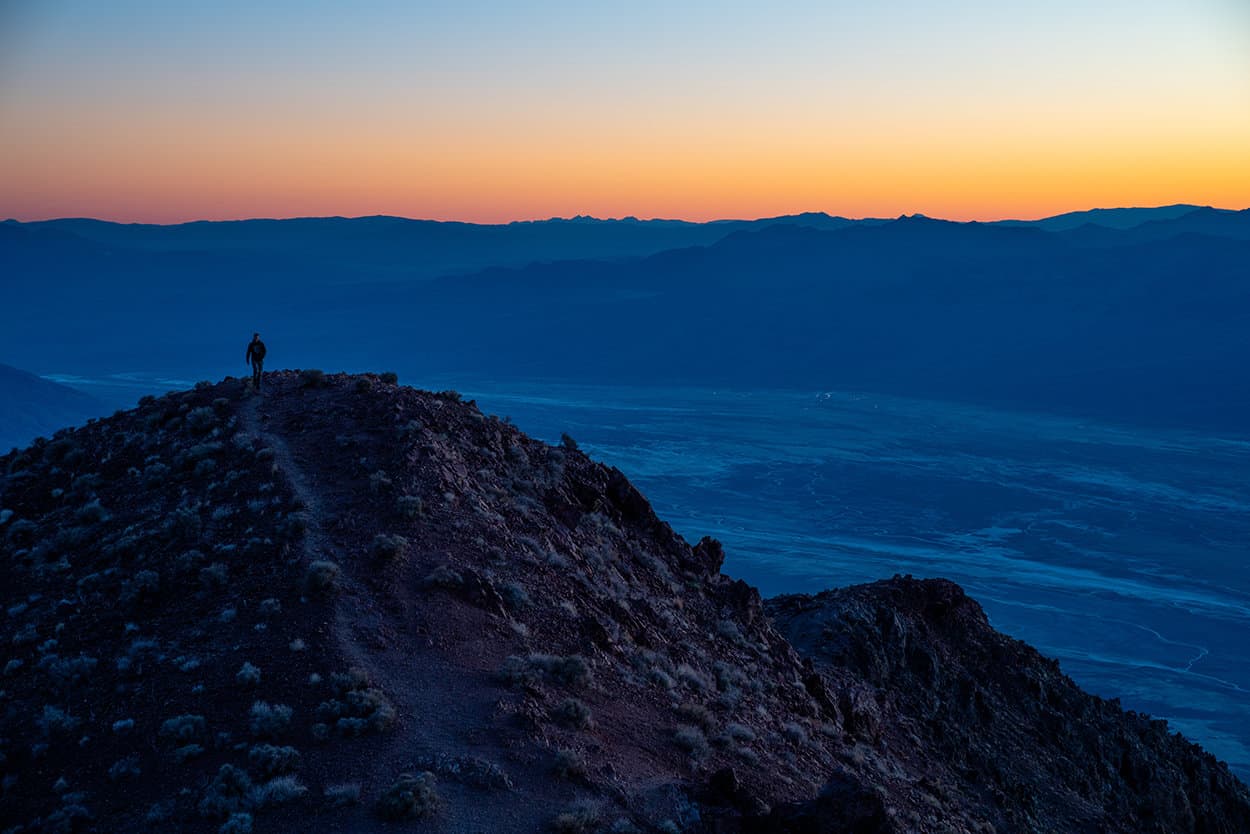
346,605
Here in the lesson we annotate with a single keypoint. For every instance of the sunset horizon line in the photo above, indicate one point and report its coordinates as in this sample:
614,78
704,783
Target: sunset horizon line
619,218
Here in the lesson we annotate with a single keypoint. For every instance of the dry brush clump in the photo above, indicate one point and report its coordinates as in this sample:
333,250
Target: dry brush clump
410,797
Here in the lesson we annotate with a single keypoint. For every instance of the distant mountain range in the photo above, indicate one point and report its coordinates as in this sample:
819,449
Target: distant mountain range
1137,314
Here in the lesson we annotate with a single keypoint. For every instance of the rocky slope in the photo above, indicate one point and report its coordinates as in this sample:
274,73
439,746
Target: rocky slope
350,606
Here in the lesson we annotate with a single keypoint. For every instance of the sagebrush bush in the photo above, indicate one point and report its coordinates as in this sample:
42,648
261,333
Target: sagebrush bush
410,797
514,595
409,506
357,707
238,823
126,768
568,764
312,377
214,577
572,713
691,740
92,513
270,761
581,818
201,420
444,576
572,671
183,729
248,676
347,793
387,548
276,791
389,377
267,720
228,793
321,578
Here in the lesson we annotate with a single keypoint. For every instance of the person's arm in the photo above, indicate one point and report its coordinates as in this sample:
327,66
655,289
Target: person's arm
247,357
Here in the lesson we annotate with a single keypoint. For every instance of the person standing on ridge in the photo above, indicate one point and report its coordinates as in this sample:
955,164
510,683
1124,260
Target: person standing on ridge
256,357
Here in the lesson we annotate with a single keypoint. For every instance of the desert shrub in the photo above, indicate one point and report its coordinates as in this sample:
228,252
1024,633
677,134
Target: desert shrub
141,654
568,443
187,751
409,506
572,713
572,671
267,720
795,733
410,797
312,378
70,817
214,577
276,791
389,377
155,474
697,715
581,817
380,482
514,595
347,793
54,721
248,675
188,563
228,794
124,725
740,732
444,576
321,578
183,524
387,548
568,764
449,395
141,589
183,729
271,761
690,740
293,526
127,768
22,532
66,672
357,707
269,607
238,823
363,384
92,513
201,420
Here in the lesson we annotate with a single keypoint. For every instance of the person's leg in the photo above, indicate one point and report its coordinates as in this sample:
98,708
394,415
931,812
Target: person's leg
256,369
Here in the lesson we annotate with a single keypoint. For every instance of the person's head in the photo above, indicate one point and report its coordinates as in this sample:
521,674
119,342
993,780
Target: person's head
255,337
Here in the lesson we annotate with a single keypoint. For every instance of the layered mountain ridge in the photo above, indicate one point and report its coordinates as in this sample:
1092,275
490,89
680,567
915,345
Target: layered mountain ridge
347,605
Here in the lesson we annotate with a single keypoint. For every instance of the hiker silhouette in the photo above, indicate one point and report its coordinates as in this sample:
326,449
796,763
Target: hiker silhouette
256,356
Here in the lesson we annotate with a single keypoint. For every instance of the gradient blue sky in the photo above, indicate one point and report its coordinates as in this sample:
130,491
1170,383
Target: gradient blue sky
495,111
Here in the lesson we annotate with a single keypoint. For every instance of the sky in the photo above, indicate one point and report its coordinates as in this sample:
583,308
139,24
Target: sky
491,111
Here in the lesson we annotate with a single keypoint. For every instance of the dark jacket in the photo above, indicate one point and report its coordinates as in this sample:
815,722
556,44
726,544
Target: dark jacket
255,351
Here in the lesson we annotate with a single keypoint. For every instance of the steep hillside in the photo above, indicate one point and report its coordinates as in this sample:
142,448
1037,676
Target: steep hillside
31,406
345,603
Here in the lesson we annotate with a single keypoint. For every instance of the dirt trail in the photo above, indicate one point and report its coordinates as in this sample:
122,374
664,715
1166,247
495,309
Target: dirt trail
431,719
317,543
